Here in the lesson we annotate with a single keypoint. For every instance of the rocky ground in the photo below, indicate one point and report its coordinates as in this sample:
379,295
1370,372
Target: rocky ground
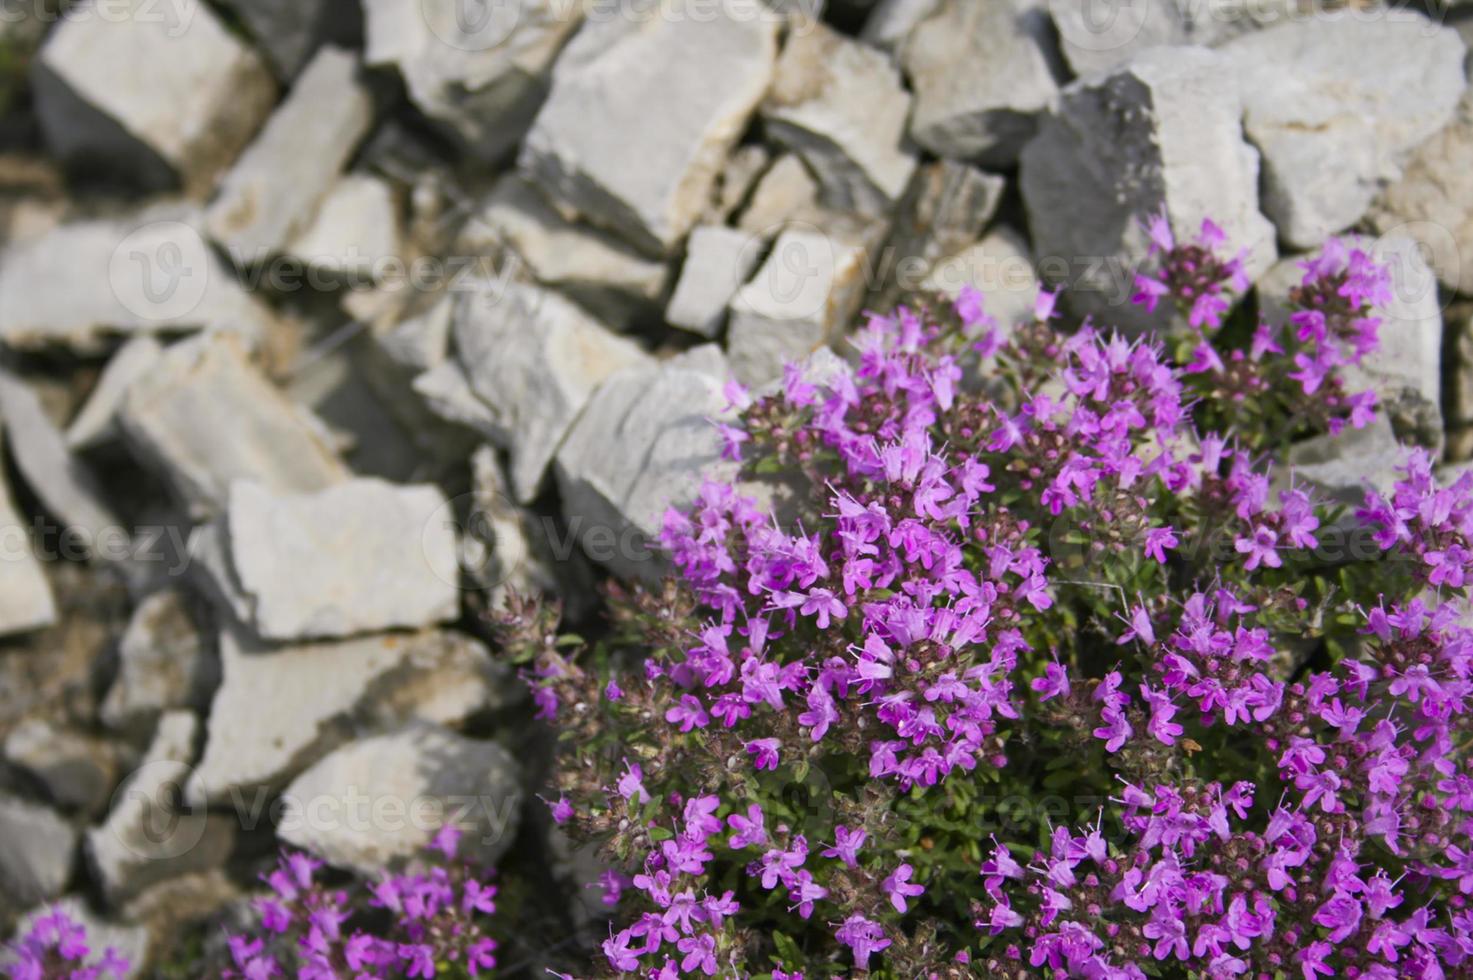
323,326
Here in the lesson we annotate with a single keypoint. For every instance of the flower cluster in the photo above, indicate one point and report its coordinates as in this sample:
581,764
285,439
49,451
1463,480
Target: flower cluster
991,572
309,930
56,948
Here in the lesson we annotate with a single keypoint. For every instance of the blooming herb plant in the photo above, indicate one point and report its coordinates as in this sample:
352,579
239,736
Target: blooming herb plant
1034,664
427,923
56,948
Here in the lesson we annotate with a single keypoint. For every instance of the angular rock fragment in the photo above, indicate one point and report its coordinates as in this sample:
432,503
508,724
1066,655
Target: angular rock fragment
481,72
77,770
1000,268
357,557
379,801
67,488
811,283
1099,35
422,341
1336,104
1406,370
841,106
355,231
642,113
642,445
743,169
533,358
37,851
149,273
96,423
289,31
592,267
717,261
446,389
162,92
273,192
206,417
786,192
1433,201
982,74
164,662
148,836
26,602
1343,466
1161,133
943,212
500,549
891,22
279,709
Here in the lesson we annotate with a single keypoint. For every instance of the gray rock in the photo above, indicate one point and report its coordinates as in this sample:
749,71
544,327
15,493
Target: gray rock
1336,105
358,557
743,169
355,231
642,445
594,268
164,662
273,192
1100,35
944,211
96,423
422,341
481,72
717,261
65,485
982,73
500,549
1343,466
180,122
533,358
147,836
206,417
810,285
37,851
147,273
288,31
132,943
1162,132
841,106
77,770
1406,371
786,192
281,708
642,113
446,390
891,21
26,602
1000,268
1433,201
379,802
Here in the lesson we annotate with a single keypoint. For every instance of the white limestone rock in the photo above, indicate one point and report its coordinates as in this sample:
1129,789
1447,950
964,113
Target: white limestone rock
642,113
718,261
1161,133
37,851
357,557
281,708
786,192
355,232
1433,201
641,445
289,31
1000,268
1336,104
26,602
378,802
982,74
533,358
147,837
273,192
500,548
96,422
480,72
206,417
891,21
810,285
147,273
599,272
163,92
164,662
77,770
840,105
